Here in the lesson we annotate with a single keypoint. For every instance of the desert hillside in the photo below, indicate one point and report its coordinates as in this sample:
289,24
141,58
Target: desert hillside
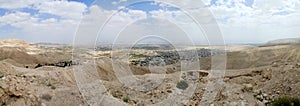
47,75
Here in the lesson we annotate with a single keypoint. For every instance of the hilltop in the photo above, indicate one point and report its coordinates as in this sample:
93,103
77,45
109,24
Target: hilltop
13,43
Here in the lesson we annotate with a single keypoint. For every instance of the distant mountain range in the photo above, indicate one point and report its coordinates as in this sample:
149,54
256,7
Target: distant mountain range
284,41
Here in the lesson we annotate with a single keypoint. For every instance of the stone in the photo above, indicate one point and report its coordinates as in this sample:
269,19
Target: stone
257,92
297,65
265,101
277,92
43,104
248,87
275,64
265,95
244,103
1,92
3,85
267,76
233,104
241,97
259,97
259,103
226,79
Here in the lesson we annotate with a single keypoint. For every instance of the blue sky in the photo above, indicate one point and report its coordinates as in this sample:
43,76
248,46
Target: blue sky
86,2
2,12
248,3
105,4
240,21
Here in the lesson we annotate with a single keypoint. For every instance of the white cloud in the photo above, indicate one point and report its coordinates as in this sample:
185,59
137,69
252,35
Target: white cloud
65,9
13,18
36,28
62,8
258,24
267,5
91,24
184,4
121,7
206,2
240,23
114,3
15,4
47,30
268,19
185,23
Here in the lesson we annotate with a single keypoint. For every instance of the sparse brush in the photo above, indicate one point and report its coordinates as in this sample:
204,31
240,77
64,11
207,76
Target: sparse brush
286,101
137,55
53,87
182,85
126,99
115,95
46,97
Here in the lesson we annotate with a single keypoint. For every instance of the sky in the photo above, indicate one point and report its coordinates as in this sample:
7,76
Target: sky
121,21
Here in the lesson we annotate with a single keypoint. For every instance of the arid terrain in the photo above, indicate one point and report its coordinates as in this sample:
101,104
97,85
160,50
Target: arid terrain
43,75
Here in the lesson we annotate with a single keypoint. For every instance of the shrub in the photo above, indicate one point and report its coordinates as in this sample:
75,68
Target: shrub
286,101
53,87
182,85
126,99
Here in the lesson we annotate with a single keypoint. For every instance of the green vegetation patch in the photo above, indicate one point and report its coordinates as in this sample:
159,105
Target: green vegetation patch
286,101
126,99
137,55
182,85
